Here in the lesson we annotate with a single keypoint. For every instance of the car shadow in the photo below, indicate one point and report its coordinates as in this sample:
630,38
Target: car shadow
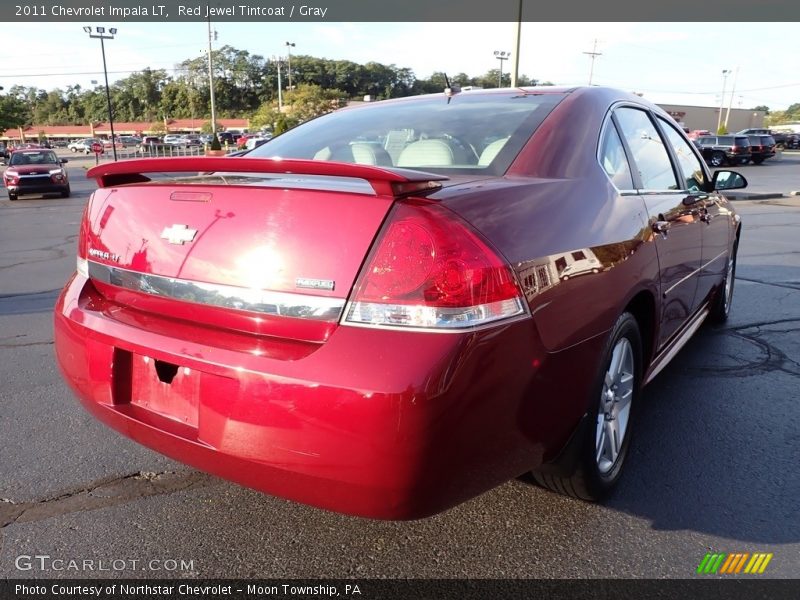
718,435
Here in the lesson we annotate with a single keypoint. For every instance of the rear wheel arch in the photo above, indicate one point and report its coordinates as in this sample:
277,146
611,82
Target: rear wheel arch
643,308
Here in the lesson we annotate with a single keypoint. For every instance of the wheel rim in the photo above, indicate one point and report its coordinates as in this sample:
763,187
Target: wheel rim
615,406
716,160
729,275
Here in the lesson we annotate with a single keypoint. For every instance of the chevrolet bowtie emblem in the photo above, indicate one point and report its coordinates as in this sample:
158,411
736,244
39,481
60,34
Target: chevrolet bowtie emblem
178,234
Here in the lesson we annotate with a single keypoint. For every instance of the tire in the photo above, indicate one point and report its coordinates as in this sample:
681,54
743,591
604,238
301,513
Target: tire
66,193
610,416
12,197
758,161
721,305
717,159
73,150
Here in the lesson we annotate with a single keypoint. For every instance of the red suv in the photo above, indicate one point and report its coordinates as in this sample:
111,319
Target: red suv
35,171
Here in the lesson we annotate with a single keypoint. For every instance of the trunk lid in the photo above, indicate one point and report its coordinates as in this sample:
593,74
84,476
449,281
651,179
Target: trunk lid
262,248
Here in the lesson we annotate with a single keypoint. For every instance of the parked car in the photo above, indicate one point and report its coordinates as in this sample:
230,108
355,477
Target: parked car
35,171
388,334
254,141
696,133
174,138
225,137
779,137
762,147
793,141
84,145
721,149
3,150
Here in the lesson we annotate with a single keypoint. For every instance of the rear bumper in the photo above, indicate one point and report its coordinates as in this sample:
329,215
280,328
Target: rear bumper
381,424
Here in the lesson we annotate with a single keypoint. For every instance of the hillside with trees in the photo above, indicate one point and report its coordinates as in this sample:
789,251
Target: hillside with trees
245,85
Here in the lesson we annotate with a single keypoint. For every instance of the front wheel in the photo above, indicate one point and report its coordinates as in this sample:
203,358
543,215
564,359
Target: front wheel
605,441
12,197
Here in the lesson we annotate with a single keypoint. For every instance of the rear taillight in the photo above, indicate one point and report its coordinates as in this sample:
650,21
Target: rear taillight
429,269
83,243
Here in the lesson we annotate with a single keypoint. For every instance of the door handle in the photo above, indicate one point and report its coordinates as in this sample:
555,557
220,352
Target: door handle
694,199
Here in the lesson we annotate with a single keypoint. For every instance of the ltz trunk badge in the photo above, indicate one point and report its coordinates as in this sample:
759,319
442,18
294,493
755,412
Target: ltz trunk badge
178,234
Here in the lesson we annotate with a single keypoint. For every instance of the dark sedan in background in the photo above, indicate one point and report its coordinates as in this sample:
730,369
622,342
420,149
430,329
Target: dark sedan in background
393,308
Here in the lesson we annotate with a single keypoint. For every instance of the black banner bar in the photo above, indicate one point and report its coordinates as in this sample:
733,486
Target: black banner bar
87,11
733,588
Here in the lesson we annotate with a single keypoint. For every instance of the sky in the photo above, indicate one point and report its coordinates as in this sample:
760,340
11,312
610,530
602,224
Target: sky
669,63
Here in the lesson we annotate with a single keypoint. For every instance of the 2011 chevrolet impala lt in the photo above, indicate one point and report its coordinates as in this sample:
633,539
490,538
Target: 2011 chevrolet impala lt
393,308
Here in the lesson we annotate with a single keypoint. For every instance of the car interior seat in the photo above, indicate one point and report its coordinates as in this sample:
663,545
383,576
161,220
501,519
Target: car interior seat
427,153
491,151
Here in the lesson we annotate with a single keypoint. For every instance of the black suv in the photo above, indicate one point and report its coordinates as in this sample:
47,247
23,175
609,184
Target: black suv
762,147
719,149
780,138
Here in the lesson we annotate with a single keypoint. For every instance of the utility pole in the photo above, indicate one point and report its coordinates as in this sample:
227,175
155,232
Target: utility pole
211,81
517,35
725,73
733,91
289,46
594,54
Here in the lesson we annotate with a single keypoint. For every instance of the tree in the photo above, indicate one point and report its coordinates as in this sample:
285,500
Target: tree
13,112
208,128
763,108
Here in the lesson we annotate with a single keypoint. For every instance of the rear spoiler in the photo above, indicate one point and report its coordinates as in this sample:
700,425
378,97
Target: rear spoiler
386,182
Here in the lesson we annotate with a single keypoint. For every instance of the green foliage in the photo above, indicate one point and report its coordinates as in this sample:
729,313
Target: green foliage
13,112
207,127
215,145
42,137
722,130
244,84
158,128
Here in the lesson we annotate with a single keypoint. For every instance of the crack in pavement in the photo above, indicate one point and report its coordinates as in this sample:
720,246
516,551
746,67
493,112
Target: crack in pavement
56,249
103,493
772,358
780,285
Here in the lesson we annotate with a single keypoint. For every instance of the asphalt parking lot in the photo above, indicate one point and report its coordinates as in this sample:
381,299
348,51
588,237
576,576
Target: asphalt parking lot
714,465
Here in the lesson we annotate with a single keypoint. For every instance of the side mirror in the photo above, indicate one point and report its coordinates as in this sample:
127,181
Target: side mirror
64,160
728,180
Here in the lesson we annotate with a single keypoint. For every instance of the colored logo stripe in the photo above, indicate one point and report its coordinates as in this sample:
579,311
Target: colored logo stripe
733,563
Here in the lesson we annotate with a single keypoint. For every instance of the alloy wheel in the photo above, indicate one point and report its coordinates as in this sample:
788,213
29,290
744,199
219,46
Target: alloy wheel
615,406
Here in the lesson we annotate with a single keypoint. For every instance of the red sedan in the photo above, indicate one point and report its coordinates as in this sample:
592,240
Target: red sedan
393,308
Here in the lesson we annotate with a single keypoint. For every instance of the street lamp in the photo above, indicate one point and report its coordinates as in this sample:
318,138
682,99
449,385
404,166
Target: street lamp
725,73
501,56
100,34
289,46
277,61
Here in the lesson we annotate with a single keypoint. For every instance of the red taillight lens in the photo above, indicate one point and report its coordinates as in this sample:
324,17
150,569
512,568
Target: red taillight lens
429,269
83,242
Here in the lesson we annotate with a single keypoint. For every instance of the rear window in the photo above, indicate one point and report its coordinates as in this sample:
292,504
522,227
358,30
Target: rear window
742,141
463,134
727,140
768,140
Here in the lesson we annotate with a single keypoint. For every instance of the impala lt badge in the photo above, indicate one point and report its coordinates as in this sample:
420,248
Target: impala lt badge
314,284
178,234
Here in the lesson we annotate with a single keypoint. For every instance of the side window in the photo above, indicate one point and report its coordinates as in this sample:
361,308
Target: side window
688,164
613,159
647,147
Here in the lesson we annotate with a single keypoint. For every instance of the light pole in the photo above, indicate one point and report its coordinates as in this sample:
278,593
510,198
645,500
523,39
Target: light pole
289,46
733,91
102,36
277,61
501,56
211,81
725,73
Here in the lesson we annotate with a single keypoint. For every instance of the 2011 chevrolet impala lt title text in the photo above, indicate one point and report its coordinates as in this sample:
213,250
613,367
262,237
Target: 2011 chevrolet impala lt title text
393,308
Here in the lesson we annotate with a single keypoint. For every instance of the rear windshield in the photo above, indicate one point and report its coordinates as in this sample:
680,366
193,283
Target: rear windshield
742,141
768,140
467,133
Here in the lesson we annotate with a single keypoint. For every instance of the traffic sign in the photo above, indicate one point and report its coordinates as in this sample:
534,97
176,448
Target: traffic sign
97,148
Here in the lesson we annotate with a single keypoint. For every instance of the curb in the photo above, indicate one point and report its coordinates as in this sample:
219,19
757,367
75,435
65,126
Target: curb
753,196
